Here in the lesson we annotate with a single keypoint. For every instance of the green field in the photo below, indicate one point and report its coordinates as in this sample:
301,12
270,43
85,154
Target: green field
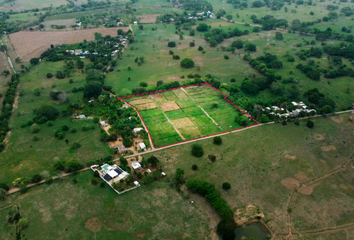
61,210
25,4
190,119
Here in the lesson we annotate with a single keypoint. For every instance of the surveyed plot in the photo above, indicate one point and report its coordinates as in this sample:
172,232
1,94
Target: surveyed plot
187,113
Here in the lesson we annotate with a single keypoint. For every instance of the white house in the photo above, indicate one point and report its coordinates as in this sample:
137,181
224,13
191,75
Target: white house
103,124
136,130
142,146
136,165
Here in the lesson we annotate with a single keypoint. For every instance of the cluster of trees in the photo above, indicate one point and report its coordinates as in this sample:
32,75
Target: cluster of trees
6,110
68,166
341,50
226,227
238,4
218,35
196,5
312,52
311,72
268,22
319,101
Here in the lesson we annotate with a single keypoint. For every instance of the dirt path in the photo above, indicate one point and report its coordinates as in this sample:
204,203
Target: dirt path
180,134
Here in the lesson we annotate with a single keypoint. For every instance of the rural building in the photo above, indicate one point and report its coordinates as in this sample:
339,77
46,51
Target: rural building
120,148
103,124
112,174
125,106
136,165
142,146
136,130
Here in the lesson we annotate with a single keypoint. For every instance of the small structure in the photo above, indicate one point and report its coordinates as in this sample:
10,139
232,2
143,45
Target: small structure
120,148
142,146
163,174
136,183
125,106
136,165
82,116
78,51
136,130
103,124
135,23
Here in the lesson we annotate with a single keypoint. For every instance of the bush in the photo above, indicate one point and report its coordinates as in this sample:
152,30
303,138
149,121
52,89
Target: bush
200,48
197,150
171,44
49,75
35,128
4,186
217,140
74,165
60,165
226,186
226,57
194,167
36,178
50,123
251,47
51,113
310,124
191,44
34,61
212,157
226,229
187,63
35,138
202,27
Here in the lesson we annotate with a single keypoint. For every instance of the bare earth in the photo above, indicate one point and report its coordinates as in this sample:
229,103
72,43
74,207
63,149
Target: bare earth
169,106
29,44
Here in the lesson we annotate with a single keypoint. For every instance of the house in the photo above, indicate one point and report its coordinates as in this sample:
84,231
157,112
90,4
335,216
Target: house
120,148
78,51
103,124
275,108
136,165
135,23
142,146
112,174
136,130
136,183
82,57
125,106
82,116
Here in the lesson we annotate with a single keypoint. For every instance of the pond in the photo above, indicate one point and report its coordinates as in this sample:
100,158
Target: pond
251,231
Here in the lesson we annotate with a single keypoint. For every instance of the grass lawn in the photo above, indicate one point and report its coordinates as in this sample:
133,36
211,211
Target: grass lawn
189,116
65,210
26,157
260,161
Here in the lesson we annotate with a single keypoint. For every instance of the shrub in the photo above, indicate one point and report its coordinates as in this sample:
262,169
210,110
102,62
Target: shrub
200,48
197,150
59,165
171,44
73,165
192,44
226,57
226,229
202,27
50,123
35,138
217,140
4,186
94,181
251,47
187,63
51,113
194,167
226,186
35,128
36,178
49,75
310,124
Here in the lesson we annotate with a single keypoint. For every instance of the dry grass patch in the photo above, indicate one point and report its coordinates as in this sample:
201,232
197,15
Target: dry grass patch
328,148
150,18
319,137
337,119
290,183
169,106
93,224
182,122
140,101
147,106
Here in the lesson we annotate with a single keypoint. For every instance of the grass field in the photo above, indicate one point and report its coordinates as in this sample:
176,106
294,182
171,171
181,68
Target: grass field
65,210
265,164
26,157
185,114
19,5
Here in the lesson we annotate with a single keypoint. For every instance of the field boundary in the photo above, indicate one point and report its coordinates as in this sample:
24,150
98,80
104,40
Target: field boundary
194,139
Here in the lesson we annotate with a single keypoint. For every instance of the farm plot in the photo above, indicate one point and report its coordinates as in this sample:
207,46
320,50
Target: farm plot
187,113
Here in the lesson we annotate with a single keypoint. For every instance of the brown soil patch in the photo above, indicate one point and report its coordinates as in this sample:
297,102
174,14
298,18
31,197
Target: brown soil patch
140,101
307,190
290,183
319,137
147,106
328,148
30,44
169,106
337,119
93,224
140,235
243,215
301,177
182,122
151,18
288,156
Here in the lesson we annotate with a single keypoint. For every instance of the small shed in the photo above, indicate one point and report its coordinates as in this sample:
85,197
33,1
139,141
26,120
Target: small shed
142,146
136,183
136,165
120,148
136,130
103,124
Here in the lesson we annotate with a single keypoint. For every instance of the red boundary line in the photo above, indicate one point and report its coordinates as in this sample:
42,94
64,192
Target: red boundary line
194,139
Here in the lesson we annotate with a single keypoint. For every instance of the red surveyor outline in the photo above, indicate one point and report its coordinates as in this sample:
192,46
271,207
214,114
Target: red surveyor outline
194,139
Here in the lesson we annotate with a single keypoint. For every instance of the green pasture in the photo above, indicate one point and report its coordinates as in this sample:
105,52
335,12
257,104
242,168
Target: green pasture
19,5
63,209
26,157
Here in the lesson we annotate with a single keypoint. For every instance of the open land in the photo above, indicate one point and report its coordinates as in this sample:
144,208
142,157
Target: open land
31,44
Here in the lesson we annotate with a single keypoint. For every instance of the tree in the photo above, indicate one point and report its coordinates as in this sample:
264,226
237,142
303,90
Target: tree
36,178
153,161
243,120
226,229
3,48
60,75
22,223
226,186
34,61
194,167
200,48
217,140
192,44
51,113
120,32
49,75
180,176
310,124
35,128
123,161
141,27
73,165
159,83
60,165
237,44
171,44
257,4
251,47
202,27
279,36
6,72
187,63
197,150
229,17
92,89
4,186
